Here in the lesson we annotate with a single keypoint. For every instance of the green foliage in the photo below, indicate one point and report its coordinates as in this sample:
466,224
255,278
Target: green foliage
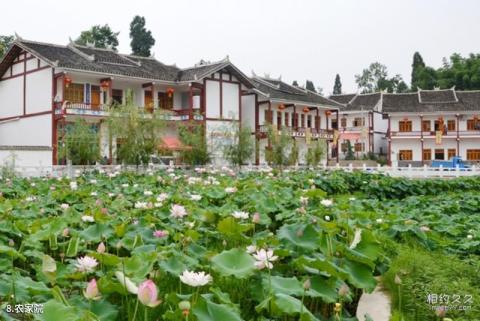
316,153
241,149
350,154
310,86
5,42
81,143
99,36
142,39
424,273
138,131
192,135
282,148
337,87
375,78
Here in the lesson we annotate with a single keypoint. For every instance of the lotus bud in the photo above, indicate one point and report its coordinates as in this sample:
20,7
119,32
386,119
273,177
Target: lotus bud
148,293
11,243
397,279
91,292
224,243
300,232
101,248
256,218
104,211
307,284
65,232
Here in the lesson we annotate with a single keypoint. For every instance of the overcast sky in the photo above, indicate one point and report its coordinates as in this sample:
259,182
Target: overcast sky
297,39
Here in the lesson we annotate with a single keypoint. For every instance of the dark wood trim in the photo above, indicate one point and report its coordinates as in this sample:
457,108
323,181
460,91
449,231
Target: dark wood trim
421,138
458,135
25,73
147,85
221,119
227,81
27,115
221,94
23,60
24,87
239,102
257,128
389,137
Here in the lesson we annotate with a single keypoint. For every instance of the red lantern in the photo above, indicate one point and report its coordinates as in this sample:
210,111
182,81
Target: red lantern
105,84
328,112
281,106
170,92
306,110
67,81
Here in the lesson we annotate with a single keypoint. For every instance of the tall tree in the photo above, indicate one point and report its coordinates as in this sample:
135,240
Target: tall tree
417,66
310,86
99,36
142,39
375,78
337,87
5,42
295,83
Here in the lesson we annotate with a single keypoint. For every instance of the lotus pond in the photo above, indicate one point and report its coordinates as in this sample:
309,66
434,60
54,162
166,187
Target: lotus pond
212,245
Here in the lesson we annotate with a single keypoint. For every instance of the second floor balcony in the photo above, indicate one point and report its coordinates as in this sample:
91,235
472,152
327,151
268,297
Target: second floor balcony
101,110
300,131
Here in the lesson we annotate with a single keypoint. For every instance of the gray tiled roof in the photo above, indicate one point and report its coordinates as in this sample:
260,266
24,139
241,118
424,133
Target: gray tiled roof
109,62
436,101
276,89
354,102
343,98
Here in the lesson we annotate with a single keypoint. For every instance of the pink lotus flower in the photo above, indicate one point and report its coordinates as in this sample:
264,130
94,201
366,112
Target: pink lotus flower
91,292
148,293
178,211
160,233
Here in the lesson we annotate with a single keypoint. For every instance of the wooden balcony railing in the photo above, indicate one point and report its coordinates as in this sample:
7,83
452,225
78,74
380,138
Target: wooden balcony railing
448,133
301,132
102,110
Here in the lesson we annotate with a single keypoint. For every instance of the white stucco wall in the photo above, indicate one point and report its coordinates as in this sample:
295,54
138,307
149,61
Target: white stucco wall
217,133
30,131
230,100
248,111
26,157
39,91
11,97
212,99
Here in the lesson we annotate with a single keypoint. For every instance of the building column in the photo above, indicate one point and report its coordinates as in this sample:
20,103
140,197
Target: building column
421,139
458,133
389,138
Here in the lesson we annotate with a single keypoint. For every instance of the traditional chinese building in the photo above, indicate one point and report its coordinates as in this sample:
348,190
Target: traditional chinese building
432,125
45,86
362,123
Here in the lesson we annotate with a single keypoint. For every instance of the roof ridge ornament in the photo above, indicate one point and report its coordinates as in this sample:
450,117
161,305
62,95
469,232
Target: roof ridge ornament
17,36
81,53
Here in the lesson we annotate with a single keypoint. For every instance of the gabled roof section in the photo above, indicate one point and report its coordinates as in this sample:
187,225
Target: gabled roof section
343,98
279,90
109,62
437,96
358,102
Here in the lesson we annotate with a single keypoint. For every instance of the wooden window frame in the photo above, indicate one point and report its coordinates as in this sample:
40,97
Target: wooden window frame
451,125
427,154
343,122
75,93
473,154
451,152
425,127
404,126
405,155
439,151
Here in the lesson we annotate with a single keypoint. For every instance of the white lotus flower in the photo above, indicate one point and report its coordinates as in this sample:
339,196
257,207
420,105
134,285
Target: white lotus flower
73,186
379,220
125,185
178,211
162,197
126,282
195,197
141,205
326,203
357,238
251,249
158,204
30,198
327,218
195,279
64,206
240,215
93,194
86,264
352,199
469,236
93,181
147,193
230,190
88,218
264,259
